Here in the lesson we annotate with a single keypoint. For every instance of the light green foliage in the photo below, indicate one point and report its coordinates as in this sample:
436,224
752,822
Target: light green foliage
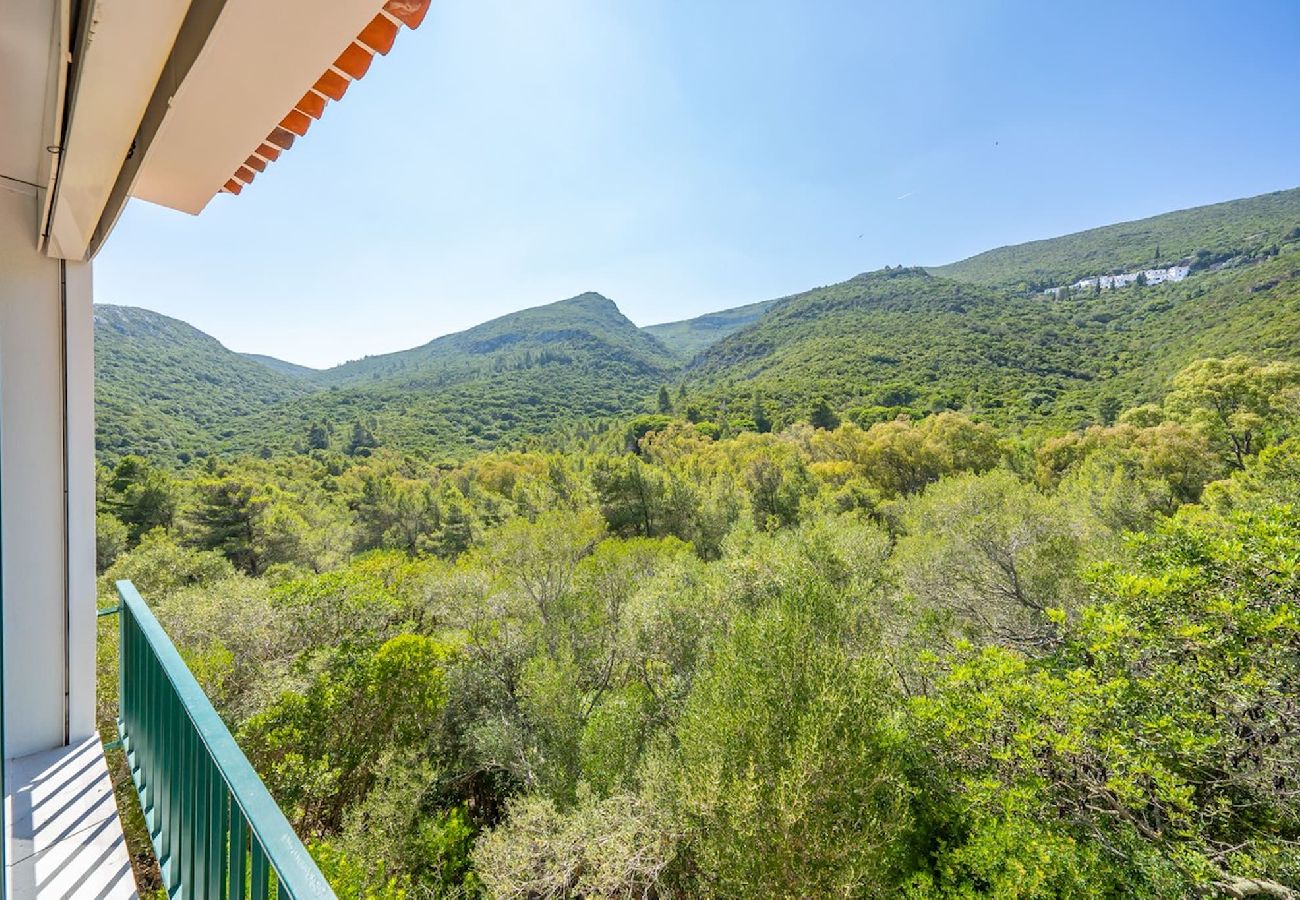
922,658
992,553
787,773
611,848
1238,403
160,565
321,749
1162,727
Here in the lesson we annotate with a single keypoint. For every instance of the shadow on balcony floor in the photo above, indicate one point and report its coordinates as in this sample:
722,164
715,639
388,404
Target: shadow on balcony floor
65,839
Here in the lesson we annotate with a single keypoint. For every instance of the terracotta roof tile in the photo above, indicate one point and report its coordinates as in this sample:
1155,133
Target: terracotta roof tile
280,138
355,61
332,85
409,12
312,103
376,38
297,122
379,34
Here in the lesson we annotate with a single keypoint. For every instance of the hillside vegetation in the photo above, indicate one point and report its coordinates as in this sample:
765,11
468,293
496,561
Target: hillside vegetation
926,659
909,341
975,336
293,370
688,337
166,389
1204,235
522,375
920,585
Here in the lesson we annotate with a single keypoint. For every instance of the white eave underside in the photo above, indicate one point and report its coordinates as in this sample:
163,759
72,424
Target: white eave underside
257,63
127,44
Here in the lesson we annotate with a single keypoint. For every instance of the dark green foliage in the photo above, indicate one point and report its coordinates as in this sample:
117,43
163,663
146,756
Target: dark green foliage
318,437
362,440
168,391
822,416
665,402
905,339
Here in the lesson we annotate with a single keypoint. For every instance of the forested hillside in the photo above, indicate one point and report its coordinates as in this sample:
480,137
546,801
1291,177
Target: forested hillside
284,368
166,389
1235,231
581,330
689,336
906,341
976,336
925,659
522,375
920,585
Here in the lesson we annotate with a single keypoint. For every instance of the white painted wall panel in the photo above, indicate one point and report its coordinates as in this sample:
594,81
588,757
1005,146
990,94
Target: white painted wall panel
49,643
81,501
31,483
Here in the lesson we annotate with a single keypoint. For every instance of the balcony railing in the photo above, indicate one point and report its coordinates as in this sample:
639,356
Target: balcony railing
216,830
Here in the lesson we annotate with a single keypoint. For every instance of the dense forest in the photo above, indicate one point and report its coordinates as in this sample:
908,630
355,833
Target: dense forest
922,585
924,658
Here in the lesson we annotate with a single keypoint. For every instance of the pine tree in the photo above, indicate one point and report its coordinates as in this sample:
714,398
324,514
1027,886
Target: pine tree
822,416
363,439
318,438
762,423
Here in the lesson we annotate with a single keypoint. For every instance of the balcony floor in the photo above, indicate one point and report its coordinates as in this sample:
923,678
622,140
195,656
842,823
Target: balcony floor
65,838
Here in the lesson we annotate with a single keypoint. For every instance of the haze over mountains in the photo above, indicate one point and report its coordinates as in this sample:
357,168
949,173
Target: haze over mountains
975,335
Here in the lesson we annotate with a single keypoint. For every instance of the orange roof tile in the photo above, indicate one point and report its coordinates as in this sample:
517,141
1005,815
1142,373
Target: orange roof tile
280,138
379,34
297,122
312,103
355,61
332,85
376,38
409,12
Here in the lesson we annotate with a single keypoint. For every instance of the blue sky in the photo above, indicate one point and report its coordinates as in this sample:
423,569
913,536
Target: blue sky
683,157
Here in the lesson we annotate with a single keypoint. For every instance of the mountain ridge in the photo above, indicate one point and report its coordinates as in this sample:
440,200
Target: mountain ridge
974,335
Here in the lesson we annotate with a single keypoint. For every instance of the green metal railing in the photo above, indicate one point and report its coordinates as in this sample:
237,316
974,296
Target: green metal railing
215,828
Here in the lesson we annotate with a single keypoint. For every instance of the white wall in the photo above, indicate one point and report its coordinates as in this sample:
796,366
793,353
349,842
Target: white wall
48,695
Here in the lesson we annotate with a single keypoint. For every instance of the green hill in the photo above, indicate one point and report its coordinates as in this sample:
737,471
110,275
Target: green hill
169,390
522,374
293,370
907,338
976,335
1236,231
586,325
688,337
166,389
